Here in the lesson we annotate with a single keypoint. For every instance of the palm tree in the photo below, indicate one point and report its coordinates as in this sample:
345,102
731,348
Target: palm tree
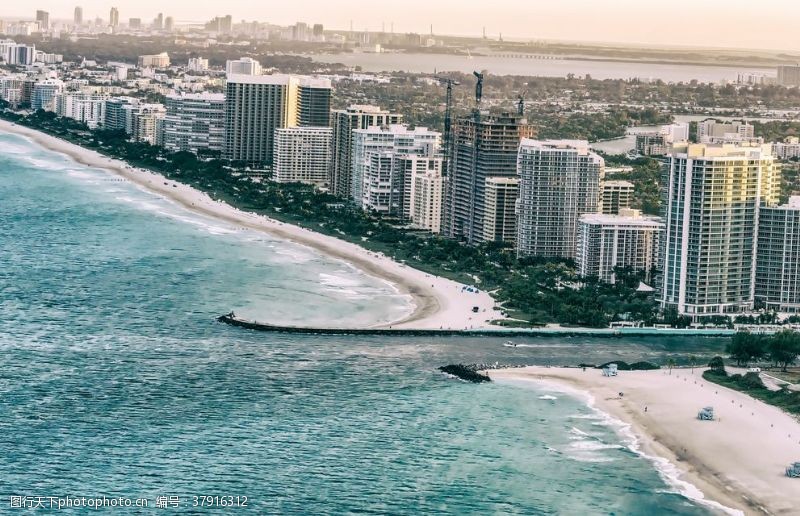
692,360
671,363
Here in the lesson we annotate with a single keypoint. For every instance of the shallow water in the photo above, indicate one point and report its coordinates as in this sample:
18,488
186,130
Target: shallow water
116,380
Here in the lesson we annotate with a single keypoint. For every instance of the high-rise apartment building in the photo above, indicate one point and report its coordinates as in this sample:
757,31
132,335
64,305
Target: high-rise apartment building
118,111
257,105
482,146
113,17
146,122
427,197
607,242
44,93
615,196
135,23
713,197
559,182
302,155
194,122
77,17
158,22
345,121
789,75
777,280
18,54
500,219
169,23
243,66
43,19
385,160
83,107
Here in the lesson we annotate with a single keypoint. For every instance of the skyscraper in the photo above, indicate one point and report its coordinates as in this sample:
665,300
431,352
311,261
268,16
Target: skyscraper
345,121
43,18
712,202
78,16
169,23
158,22
778,263
483,146
255,106
559,182
113,17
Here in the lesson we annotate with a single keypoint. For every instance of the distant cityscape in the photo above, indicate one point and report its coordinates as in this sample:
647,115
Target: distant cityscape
724,244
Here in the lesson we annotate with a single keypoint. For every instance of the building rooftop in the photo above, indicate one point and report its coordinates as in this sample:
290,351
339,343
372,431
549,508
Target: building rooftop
582,146
626,217
721,150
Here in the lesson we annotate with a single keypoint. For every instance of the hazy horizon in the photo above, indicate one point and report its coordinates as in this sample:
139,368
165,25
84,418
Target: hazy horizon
715,23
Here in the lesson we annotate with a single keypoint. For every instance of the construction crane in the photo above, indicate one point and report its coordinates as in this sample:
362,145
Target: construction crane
448,117
478,87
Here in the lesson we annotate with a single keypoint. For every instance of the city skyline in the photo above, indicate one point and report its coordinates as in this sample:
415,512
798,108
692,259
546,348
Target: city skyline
625,22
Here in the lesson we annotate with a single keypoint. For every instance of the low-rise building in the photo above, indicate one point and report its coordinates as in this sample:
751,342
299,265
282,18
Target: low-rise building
154,61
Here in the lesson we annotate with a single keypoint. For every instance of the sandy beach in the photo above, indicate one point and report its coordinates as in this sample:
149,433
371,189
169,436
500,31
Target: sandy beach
737,461
438,302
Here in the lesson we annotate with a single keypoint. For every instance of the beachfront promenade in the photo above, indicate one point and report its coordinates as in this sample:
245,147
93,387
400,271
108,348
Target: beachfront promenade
234,320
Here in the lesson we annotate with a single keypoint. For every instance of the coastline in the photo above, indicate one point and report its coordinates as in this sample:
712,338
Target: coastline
437,302
736,462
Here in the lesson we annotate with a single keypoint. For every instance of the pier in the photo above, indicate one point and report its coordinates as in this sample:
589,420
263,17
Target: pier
497,331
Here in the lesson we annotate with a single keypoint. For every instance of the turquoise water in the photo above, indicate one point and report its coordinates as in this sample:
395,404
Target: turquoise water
115,379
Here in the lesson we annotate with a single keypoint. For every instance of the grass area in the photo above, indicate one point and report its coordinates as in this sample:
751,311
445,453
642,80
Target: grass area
750,384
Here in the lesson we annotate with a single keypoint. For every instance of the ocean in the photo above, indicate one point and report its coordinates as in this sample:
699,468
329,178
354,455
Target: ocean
116,380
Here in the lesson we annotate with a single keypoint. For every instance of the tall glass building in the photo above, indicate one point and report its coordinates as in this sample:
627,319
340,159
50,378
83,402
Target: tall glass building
713,197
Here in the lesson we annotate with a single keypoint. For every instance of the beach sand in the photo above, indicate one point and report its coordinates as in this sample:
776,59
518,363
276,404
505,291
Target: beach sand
438,302
737,461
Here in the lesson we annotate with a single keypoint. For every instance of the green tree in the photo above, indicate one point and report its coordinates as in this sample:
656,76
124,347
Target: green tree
744,347
671,363
784,348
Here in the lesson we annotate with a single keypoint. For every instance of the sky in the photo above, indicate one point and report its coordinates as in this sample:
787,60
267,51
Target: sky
766,24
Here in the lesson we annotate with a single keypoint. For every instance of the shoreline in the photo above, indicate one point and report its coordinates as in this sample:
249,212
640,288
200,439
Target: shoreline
735,464
437,302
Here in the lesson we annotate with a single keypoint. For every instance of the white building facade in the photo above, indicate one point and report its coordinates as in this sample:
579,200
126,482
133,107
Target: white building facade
302,155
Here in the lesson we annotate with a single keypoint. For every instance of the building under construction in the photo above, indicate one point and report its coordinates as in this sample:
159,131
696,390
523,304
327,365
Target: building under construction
483,147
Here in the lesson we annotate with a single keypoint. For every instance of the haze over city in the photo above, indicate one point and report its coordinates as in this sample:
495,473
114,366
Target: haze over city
737,24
